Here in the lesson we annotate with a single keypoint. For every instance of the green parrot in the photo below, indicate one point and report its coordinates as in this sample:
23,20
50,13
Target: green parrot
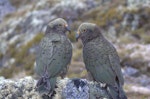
101,59
53,55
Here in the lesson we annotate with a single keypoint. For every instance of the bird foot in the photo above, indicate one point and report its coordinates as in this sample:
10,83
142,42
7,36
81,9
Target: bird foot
103,85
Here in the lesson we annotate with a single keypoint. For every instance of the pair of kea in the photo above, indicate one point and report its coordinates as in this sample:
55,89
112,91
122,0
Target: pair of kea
100,57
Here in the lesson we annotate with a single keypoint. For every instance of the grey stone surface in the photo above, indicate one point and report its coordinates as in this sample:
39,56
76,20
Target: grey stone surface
5,8
132,4
67,89
20,89
76,89
130,71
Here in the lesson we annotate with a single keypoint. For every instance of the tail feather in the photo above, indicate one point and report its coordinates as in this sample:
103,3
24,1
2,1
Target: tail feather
46,86
116,92
113,92
122,94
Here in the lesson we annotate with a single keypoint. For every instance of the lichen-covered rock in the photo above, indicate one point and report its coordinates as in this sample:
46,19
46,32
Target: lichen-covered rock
67,89
76,89
83,89
132,4
97,92
23,89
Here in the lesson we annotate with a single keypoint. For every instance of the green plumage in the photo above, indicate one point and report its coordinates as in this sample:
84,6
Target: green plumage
53,55
101,59
55,52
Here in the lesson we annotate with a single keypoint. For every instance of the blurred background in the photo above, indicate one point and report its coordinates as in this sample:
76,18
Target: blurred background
125,23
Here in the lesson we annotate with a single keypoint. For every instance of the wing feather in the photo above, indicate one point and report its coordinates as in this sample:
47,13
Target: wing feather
52,54
115,64
97,63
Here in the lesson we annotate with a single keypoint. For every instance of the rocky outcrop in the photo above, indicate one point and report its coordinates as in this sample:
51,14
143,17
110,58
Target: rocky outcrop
24,88
67,89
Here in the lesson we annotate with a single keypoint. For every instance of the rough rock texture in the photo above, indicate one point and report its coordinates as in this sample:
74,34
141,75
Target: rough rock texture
132,4
136,55
77,88
82,89
5,8
67,89
22,89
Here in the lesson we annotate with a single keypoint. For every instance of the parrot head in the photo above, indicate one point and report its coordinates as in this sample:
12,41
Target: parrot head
58,25
87,31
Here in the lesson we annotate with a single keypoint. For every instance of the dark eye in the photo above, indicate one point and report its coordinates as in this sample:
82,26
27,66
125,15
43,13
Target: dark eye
84,30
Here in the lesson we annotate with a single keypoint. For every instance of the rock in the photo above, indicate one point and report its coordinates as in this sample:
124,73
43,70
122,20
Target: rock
1,78
132,20
135,55
23,88
141,80
135,22
76,89
139,90
144,80
72,10
5,8
67,89
130,71
132,4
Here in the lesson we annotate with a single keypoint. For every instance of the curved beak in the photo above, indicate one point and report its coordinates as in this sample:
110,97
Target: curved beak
77,36
68,28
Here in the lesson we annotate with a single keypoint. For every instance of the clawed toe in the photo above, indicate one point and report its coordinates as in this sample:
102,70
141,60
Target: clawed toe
103,85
